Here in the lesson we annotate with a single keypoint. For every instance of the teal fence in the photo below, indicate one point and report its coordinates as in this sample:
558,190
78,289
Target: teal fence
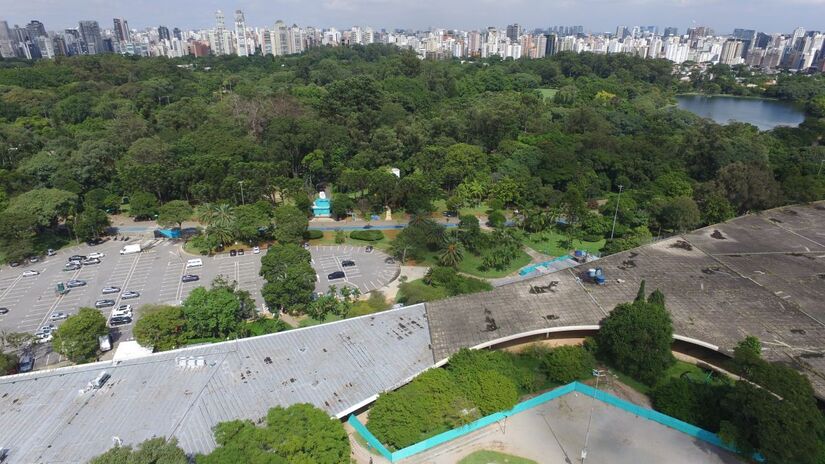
602,396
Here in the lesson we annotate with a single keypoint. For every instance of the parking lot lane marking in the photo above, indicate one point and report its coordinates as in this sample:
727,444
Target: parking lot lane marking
128,277
11,286
180,282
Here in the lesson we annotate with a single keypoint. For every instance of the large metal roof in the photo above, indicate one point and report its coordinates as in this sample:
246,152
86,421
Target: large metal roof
53,416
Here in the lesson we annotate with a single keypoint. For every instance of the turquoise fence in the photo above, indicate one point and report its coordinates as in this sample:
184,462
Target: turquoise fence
602,396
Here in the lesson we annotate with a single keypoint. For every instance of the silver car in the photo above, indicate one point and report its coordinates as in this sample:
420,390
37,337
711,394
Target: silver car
129,295
109,290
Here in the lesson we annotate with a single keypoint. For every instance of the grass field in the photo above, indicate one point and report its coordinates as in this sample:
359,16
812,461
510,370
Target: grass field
471,264
675,371
494,457
441,206
548,93
383,244
549,243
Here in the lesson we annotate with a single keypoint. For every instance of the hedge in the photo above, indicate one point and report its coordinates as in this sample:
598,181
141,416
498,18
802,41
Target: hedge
313,234
367,235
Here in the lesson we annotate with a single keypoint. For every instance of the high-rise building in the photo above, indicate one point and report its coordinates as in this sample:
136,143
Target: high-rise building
514,32
7,44
731,52
121,30
163,33
36,29
91,40
217,40
671,31
176,33
748,38
241,46
280,39
551,46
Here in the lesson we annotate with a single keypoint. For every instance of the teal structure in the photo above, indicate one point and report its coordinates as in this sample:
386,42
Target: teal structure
321,207
655,416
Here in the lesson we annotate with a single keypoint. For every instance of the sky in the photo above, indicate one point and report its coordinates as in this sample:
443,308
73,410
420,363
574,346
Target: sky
595,15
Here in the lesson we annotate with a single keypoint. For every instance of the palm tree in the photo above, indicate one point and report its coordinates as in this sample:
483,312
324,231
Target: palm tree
452,253
219,220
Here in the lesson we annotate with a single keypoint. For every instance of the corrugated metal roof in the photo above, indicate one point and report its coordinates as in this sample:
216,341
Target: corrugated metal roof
54,417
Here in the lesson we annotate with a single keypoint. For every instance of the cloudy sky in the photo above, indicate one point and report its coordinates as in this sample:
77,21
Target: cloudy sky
594,15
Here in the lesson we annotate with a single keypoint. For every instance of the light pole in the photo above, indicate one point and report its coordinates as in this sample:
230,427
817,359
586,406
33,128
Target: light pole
598,373
240,182
616,213
821,162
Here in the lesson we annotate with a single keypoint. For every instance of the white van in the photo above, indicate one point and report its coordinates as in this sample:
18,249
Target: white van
197,262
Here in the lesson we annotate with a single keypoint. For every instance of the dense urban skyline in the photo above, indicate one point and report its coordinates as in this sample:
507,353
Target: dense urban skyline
595,15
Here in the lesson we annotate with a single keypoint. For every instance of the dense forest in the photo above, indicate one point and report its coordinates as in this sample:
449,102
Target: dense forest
551,138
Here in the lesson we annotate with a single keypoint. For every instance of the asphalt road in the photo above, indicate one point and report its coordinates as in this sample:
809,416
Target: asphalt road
156,274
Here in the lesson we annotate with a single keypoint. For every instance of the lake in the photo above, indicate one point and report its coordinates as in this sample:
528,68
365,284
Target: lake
762,113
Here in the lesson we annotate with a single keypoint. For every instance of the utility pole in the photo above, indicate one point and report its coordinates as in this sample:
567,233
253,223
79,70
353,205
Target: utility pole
240,182
616,213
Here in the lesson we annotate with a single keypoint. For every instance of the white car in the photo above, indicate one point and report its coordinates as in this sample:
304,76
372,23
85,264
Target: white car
45,337
256,250
96,254
30,273
58,316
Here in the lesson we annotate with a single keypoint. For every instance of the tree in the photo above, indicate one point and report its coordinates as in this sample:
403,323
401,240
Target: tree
91,224
143,205
8,363
219,220
679,214
748,186
281,256
636,338
212,313
565,364
291,288
77,337
45,206
153,451
300,434
173,213
452,253
251,220
341,206
332,303
160,326
290,224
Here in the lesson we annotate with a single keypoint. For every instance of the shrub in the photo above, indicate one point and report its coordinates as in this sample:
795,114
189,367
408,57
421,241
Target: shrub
340,236
496,219
367,235
313,234
568,363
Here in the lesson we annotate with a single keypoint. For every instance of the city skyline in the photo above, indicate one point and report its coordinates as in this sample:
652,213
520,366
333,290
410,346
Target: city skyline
597,16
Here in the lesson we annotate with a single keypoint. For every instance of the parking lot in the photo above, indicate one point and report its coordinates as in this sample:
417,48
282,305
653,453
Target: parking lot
155,273
369,271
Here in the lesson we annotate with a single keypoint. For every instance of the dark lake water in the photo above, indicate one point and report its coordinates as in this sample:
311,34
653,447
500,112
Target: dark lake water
764,114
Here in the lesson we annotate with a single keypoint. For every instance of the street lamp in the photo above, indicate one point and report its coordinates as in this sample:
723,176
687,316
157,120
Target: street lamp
240,182
616,213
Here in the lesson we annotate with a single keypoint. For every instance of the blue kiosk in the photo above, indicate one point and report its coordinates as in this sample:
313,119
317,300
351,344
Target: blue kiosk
321,206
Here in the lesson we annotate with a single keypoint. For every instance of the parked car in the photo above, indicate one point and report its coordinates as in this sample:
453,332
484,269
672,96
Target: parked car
347,263
89,261
4,310
369,249
127,308
34,259
450,214
104,303
59,316
120,320
233,252
336,275
14,264
26,363
189,278
77,258
256,250
30,273
75,283
389,260
109,290
96,254
240,252
72,267
129,295
50,252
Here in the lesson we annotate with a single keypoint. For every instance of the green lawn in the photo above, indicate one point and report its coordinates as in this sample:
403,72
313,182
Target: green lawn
416,291
548,242
494,457
329,239
441,206
471,264
548,93
675,371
